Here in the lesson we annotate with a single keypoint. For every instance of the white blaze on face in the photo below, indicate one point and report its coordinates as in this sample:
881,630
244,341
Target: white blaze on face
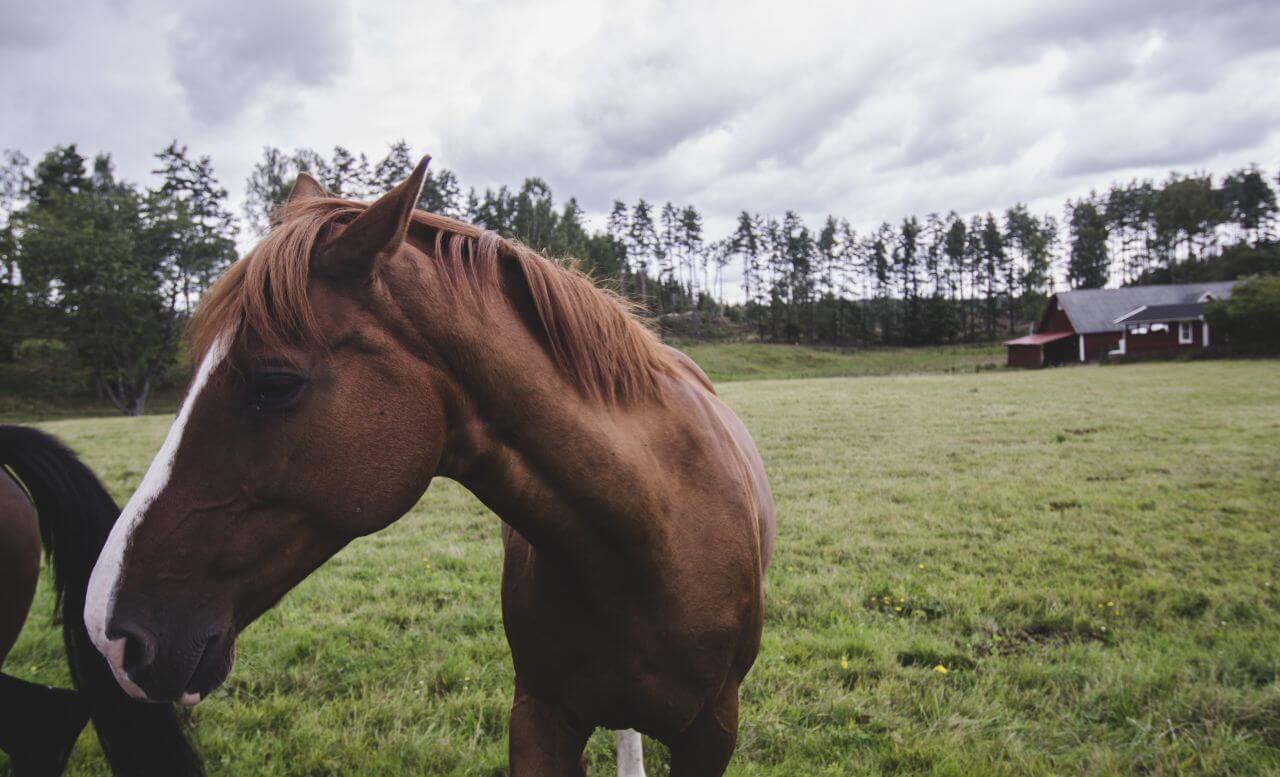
630,753
105,580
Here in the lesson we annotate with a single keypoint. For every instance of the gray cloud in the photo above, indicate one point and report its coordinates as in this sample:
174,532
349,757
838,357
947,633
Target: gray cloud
868,111
227,53
34,25
1191,141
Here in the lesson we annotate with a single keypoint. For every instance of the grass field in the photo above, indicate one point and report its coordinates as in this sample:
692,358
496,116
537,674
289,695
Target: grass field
1090,553
725,362
22,398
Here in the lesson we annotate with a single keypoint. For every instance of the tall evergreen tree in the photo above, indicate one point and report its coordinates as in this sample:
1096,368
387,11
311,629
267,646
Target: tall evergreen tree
268,186
745,243
642,241
618,230
954,241
691,246
1251,202
348,175
1087,266
535,214
392,168
1187,213
667,252
442,194
187,224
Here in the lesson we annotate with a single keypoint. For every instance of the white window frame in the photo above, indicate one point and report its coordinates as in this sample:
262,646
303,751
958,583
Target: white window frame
1186,333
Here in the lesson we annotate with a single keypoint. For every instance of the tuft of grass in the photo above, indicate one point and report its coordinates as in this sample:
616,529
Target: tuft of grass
1104,604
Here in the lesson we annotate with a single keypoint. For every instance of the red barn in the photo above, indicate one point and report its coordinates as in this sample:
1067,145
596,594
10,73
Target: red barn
1079,326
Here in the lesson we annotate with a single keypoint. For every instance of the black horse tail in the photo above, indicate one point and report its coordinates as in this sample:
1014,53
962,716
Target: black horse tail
76,515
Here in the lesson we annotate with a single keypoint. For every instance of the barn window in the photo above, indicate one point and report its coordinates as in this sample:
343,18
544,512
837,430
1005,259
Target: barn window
1159,327
1184,332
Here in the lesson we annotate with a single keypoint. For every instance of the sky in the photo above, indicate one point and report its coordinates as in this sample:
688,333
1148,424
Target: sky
869,111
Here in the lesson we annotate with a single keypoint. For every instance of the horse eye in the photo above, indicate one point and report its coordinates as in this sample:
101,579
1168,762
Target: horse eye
274,391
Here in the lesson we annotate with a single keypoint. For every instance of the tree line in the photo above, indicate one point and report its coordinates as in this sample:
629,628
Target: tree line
99,273
932,279
103,272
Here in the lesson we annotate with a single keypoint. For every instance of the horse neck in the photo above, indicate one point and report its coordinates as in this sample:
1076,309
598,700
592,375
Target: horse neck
565,470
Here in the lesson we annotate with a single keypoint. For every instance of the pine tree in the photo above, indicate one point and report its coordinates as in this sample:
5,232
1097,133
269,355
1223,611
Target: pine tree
994,267
642,240
954,246
618,230
691,245
61,171
348,175
851,281
1187,214
267,188
535,214
667,253
441,194
188,223
748,243
392,169
471,209
1087,266
497,211
975,267
569,238
1251,202
906,256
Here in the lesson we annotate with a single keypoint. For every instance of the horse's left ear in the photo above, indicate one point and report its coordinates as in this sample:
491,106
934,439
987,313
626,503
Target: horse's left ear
354,251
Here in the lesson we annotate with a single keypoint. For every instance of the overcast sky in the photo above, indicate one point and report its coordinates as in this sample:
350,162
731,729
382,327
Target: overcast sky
871,111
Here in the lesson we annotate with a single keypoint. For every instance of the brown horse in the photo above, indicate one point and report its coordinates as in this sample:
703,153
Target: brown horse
62,506
361,350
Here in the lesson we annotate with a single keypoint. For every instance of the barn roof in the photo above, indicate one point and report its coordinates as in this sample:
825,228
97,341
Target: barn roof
1149,313
1096,310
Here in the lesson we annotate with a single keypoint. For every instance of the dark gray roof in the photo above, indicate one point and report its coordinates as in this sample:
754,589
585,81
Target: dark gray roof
1149,313
1096,310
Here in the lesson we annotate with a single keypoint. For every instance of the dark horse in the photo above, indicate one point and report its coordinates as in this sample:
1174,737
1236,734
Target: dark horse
73,515
361,350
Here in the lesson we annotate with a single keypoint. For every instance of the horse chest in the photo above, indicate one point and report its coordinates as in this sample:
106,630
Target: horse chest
632,658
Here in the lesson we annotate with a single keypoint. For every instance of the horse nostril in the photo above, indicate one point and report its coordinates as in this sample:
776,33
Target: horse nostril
139,647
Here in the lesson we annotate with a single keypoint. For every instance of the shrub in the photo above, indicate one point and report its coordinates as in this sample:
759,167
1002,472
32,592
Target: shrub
47,366
43,353
1251,316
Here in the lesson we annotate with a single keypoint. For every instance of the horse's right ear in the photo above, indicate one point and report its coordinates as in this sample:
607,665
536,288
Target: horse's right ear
354,250
305,188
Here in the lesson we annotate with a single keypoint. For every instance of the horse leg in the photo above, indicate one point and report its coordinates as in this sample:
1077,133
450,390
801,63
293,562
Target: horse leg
39,726
543,742
705,747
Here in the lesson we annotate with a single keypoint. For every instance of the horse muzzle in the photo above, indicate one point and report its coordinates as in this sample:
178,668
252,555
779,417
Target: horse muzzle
181,667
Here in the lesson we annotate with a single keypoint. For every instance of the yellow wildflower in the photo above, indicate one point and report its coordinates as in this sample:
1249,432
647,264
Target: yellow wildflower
844,662
940,669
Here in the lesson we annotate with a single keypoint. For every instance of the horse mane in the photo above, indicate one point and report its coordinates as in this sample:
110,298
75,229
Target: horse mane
591,333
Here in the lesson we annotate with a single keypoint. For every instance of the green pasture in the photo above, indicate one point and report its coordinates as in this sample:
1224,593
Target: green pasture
1065,571
724,362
